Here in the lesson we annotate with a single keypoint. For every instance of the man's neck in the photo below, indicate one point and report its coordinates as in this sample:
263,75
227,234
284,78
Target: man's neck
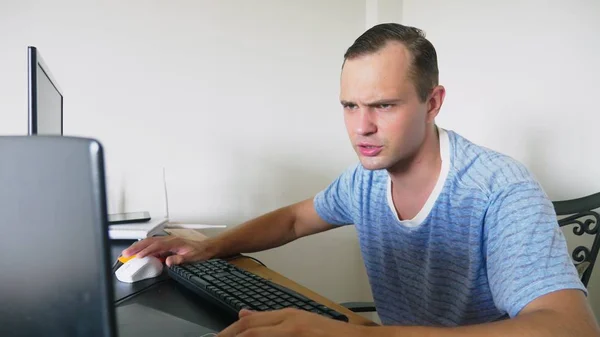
420,173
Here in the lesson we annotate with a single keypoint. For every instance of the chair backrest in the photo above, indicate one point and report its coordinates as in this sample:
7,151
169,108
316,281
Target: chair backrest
582,214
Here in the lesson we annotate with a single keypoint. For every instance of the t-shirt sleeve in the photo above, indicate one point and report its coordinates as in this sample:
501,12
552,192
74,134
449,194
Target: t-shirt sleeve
526,251
335,203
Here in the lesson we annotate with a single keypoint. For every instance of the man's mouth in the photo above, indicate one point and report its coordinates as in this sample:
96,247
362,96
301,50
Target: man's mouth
369,150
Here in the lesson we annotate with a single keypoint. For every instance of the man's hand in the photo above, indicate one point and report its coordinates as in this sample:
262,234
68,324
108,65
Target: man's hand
184,250
288,323
536,320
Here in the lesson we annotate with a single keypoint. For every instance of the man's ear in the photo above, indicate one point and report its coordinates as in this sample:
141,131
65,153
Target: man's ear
434,102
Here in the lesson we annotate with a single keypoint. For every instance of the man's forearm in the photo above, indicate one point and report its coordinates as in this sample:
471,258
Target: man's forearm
264,232
546,323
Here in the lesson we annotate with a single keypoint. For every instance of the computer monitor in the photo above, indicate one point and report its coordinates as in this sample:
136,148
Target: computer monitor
45,99
55,266
55,274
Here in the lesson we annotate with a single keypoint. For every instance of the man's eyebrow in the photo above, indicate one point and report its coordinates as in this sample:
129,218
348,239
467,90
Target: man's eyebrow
374,103
383,102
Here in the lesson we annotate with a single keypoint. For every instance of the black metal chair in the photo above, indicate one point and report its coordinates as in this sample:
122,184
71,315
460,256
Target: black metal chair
580,213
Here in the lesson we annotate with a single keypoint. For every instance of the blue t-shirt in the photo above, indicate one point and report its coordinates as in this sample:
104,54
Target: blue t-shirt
485,244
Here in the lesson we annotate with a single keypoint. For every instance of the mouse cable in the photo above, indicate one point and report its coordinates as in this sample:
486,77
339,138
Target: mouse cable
246,256
116,265
257,260
124,298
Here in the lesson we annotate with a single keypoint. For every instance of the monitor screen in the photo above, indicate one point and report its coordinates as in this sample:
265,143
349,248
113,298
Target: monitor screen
45,98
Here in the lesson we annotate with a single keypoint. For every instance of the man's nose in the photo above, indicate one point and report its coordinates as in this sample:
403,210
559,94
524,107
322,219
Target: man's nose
365,124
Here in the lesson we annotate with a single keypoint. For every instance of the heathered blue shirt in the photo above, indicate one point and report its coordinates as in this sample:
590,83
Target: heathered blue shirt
484,245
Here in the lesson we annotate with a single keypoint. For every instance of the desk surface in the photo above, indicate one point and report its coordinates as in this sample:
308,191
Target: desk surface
169,297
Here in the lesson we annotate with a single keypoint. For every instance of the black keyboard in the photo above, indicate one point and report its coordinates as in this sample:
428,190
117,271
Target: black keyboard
233,289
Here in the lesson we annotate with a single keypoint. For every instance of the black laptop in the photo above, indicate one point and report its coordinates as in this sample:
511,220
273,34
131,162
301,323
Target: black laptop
55,272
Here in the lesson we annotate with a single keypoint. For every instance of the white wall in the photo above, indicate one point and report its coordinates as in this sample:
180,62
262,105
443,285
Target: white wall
238,100
522,78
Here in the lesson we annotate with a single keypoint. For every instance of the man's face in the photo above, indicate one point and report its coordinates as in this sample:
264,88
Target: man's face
384,118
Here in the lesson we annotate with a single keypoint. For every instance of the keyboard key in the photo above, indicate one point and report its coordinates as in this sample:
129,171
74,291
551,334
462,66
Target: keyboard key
208,278
337,315
198,280
240,275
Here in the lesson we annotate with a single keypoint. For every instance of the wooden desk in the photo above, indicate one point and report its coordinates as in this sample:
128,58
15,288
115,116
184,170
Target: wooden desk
258,269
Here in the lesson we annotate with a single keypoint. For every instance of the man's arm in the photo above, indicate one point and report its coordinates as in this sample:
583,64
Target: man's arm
268,231
264,232
564,313
271,230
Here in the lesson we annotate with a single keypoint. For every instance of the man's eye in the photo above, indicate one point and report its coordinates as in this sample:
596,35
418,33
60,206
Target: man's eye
350,106
384,106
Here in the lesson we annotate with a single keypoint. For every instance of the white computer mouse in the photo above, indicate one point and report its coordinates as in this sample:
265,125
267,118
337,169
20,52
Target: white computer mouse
138,269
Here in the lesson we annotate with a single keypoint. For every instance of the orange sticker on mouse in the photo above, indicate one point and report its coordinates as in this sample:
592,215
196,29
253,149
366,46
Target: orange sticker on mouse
124,259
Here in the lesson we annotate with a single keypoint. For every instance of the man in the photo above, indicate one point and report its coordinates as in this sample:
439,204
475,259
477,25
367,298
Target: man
457,240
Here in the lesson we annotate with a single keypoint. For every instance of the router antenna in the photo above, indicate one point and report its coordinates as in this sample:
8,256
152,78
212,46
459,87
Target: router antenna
166,194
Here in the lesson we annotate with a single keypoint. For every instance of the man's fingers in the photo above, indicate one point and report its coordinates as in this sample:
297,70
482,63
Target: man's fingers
246,312
156,248
175,259
253,321
136,247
